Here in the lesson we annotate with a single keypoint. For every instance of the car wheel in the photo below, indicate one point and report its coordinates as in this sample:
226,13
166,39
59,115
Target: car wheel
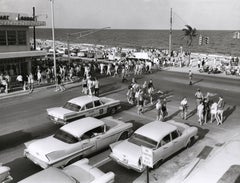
158,164
113,110
191,142
123,136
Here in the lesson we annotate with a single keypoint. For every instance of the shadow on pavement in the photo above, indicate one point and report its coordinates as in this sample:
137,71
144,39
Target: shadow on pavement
14,139
228,112
191,113
172,115
198,81
22,168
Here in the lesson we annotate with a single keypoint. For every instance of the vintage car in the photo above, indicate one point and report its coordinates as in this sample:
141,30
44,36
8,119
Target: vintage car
164,138
5,176
76,140
79,172
81,107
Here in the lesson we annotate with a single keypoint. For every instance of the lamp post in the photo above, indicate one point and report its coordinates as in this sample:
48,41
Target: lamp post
53,37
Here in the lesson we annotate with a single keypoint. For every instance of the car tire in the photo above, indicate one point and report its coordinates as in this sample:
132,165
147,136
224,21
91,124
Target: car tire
190,142
113,110
158,164
123,136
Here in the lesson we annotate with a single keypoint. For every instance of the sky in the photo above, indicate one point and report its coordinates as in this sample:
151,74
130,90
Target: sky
132,14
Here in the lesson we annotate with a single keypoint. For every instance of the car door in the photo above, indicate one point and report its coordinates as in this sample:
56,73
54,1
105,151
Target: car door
98,106
176,141
88,142
164,149
89,109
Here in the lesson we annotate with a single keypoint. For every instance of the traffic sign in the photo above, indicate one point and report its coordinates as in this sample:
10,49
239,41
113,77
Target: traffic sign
147,156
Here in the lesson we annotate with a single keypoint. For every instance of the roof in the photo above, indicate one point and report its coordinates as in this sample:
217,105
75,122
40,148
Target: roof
48,175
79,127
82,100
156,130
22,54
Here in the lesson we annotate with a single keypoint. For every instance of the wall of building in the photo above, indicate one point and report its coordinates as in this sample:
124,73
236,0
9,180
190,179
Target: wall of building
16,48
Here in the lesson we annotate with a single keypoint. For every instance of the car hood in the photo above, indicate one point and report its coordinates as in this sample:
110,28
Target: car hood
127,151
58,112
43,147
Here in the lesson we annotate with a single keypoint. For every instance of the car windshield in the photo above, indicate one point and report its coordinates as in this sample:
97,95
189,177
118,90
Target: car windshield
142,141
65,137
72,107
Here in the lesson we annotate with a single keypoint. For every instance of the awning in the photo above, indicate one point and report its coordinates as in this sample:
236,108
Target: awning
22,54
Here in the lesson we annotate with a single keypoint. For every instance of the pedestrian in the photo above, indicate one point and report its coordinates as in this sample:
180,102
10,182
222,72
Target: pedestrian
39,77
109,69
150,90
199,96
59,86
206,109
213,112
96,87
140,106
200,112
84,85
159,110
30,82
90,86
164,108
220,110
183,107
190,76
130,94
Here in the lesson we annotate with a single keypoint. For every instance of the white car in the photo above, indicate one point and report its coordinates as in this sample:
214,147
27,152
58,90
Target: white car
79,172
75,140
5,176
164,138
81,107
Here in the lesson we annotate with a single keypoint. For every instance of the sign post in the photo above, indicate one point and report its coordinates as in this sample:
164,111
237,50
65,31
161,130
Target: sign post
147,159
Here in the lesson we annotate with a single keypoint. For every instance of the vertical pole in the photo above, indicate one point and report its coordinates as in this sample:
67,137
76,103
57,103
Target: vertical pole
34,30
53,37
68,45
147,174
170,34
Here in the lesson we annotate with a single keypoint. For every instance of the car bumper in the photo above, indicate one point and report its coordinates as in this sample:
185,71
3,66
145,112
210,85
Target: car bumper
57,120
35,160
125,164
8,179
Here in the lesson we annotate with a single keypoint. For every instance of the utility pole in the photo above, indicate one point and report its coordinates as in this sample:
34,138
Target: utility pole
53,37
34,30
170,34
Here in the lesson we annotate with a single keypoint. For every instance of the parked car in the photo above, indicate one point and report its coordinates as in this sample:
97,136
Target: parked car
79,172
221,166
5,176
81,107
75,140
164,138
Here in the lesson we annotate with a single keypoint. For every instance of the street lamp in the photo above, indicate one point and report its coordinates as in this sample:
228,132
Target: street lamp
53,37
82,34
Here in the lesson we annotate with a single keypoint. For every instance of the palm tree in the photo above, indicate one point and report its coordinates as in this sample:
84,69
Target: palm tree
189,34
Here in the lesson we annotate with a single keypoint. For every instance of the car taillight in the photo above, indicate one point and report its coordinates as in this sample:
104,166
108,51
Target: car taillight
140,161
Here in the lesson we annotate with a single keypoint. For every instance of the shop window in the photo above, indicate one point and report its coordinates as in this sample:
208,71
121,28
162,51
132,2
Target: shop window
3,40
11,37
22,37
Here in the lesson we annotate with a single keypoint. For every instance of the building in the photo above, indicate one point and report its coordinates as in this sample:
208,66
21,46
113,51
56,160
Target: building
16,56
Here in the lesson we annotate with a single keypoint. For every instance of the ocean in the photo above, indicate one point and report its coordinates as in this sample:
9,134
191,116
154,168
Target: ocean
220,42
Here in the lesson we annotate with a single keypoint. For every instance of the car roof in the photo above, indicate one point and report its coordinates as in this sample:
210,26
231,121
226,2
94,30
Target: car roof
48,175
82,100
156,130
79,127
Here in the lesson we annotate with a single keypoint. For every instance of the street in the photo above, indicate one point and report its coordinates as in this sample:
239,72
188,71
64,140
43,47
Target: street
24,118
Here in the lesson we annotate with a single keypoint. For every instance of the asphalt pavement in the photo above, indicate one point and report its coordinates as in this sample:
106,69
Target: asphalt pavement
23,118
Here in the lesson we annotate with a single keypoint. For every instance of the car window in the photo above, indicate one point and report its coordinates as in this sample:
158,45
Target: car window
72,107
65,137
174,135
92,133
97,103
166,140
89,105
